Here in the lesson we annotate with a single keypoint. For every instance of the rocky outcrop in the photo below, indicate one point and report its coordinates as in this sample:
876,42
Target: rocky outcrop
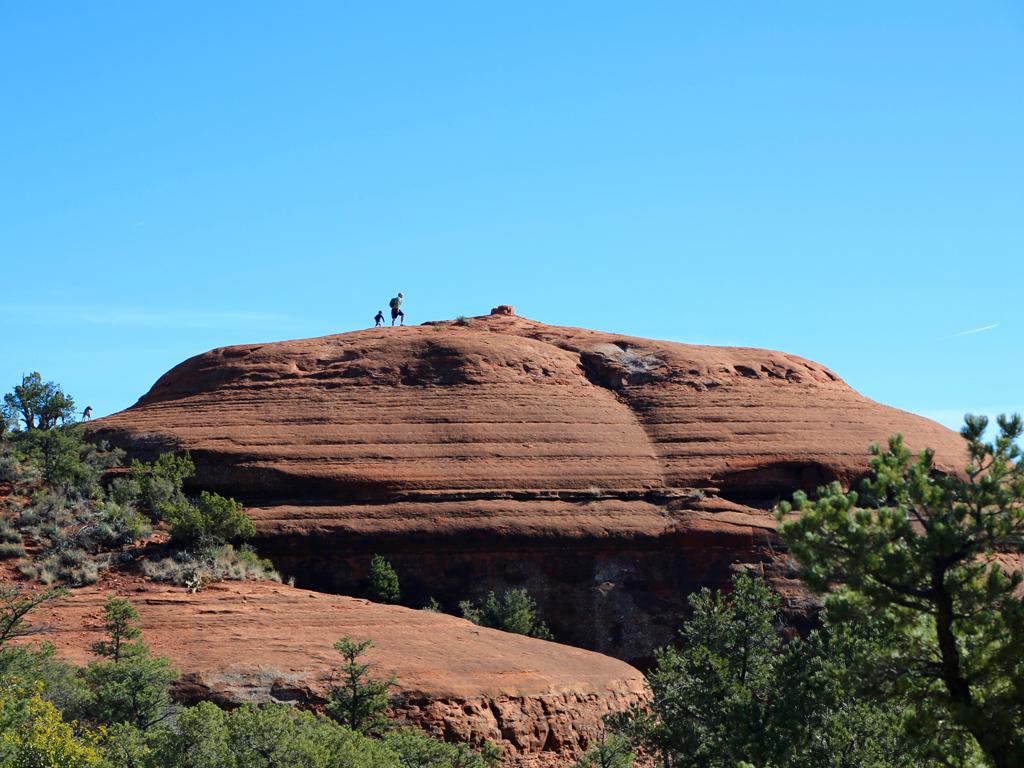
247,641
609,475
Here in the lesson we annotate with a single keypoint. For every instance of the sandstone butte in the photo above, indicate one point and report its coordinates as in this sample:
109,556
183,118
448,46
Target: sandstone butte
610,476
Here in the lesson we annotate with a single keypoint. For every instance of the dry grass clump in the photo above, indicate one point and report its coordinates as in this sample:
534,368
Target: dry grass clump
196,570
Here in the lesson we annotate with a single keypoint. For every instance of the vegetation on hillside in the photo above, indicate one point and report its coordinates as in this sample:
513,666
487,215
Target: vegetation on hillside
73,509
118,712
513,611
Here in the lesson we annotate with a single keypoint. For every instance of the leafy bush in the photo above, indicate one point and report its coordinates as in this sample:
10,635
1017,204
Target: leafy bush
11,542
263,736
432,606
121,621
212,519
9,549
63,457
415,749
34,733
125,524
613,751
59,682
154,486
10,467
515,611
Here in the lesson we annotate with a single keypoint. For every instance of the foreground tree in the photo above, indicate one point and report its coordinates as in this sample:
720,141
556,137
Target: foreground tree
936,558
739,689
359,701
128,685
33,733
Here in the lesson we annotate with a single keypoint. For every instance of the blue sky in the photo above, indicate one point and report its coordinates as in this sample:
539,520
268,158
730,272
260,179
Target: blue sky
838,180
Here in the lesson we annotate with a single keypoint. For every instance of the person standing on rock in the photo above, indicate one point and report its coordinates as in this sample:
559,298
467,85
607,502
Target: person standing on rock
396,308
379,318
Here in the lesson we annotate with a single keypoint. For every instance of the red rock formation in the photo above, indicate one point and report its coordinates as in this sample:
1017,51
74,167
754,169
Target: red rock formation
609,475
248,641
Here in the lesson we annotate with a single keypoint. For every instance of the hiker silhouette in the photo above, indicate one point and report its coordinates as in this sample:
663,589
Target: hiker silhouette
396,308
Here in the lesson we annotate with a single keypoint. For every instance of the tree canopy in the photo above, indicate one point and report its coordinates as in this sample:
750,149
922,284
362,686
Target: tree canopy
937,558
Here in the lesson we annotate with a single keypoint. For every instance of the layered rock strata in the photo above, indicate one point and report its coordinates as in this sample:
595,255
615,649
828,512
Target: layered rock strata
609,475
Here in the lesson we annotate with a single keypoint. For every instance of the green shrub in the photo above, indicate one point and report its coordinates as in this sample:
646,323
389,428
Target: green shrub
383,581
416,749
739,687
39,667
61,456
35,734
10,468
11,542
613,751
212,519
263,736
125,524
72,566
156,485
121,622
515,611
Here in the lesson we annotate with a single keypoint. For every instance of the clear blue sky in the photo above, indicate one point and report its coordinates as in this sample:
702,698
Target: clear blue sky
844,181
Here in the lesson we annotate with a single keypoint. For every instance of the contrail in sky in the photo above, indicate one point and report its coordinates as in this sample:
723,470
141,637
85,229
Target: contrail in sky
975,330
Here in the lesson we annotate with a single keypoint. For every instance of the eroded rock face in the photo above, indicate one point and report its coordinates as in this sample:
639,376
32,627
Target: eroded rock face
236,642
609,475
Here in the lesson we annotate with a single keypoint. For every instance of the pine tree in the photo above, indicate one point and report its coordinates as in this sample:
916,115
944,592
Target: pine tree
120,620
128,685
936,557
360,701
383,581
